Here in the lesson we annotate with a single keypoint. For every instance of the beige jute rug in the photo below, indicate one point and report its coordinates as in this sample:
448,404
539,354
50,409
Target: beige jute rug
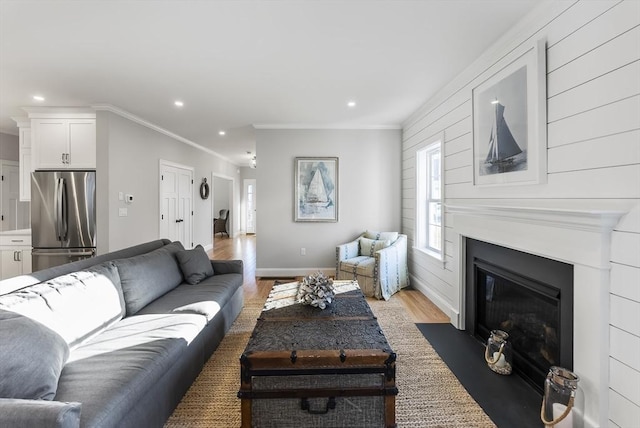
429,394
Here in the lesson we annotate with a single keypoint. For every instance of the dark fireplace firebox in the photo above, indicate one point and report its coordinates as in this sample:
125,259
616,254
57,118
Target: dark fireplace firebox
529,297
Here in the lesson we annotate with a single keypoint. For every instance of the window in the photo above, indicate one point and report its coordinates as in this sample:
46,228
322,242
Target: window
429,225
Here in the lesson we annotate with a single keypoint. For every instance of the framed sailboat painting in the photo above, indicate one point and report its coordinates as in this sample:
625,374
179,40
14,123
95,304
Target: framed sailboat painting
509,122
316,189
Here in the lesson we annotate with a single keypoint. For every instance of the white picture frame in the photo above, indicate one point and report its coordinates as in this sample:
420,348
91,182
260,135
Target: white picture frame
510,122
316,189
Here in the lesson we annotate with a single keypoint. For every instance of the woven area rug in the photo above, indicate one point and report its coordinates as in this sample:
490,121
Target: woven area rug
430,395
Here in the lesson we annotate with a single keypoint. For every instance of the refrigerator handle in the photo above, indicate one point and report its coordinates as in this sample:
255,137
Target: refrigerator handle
61,211
65,222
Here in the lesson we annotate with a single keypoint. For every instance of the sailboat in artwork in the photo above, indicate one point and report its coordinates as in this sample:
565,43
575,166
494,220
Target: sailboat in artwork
317,193
502,145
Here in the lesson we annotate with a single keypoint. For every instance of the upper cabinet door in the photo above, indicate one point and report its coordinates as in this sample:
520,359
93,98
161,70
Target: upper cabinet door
49,142
82,143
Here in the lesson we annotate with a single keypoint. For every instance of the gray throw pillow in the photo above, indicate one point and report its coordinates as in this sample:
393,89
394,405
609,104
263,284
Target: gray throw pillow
148,276
195,264
31,358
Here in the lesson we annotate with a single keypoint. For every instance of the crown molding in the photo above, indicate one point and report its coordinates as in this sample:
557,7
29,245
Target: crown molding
310,126
140,121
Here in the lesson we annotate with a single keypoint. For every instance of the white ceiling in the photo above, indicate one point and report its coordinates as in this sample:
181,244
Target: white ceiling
235,64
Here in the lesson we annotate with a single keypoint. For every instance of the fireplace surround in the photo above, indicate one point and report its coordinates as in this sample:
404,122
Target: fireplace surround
529,297
571,232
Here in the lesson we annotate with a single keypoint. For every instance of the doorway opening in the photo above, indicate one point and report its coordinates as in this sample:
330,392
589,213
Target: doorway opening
250,206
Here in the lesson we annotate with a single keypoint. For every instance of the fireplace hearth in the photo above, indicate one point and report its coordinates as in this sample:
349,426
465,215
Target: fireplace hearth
529,297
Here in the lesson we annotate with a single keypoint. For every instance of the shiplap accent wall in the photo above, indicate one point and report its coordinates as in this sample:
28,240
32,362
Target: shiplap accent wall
593,159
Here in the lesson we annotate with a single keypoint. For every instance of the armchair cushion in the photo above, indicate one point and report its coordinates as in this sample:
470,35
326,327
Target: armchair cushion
384,236
368,247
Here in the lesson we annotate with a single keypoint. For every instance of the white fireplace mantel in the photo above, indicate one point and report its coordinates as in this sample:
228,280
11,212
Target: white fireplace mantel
578,236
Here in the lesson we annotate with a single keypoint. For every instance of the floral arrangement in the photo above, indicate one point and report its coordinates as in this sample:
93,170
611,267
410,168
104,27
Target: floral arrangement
316,290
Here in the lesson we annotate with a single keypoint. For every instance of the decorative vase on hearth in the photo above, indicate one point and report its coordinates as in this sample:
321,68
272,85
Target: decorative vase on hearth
316,290
499,353
562,403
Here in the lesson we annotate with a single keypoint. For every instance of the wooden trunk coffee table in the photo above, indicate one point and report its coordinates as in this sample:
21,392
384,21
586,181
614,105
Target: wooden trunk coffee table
306,367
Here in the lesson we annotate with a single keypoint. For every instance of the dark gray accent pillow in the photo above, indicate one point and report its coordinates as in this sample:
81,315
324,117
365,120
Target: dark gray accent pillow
195,264
146,277
31,358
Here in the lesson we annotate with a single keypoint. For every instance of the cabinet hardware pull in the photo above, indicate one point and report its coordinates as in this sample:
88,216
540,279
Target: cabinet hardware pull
62,158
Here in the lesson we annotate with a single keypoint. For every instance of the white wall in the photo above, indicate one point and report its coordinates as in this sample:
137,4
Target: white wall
593,84
368,195
221,194
9,148
128,161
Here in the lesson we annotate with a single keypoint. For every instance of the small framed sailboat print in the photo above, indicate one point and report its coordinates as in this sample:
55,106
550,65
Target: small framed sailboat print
509,122
316,189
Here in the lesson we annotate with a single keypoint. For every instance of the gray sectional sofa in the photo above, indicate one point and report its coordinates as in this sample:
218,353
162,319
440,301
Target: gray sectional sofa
112,341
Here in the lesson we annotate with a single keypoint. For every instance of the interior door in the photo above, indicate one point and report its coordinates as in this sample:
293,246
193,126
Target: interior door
185,207
16,214
250,198
176,203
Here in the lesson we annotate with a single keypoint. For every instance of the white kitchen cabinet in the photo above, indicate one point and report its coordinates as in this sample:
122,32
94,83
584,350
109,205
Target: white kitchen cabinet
63,143
15,254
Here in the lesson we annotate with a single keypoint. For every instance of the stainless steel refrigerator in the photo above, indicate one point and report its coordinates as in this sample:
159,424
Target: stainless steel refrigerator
63,217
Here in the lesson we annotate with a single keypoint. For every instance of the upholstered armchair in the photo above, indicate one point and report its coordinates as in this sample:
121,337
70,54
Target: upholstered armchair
377,260
220,223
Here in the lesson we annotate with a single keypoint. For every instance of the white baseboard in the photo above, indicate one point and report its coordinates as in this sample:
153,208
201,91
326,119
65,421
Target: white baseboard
208,247
289,272
442,304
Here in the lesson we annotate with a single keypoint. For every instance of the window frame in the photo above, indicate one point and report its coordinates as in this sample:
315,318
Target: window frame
424,155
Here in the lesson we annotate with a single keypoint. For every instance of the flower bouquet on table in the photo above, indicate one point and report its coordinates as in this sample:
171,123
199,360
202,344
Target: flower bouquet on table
316,290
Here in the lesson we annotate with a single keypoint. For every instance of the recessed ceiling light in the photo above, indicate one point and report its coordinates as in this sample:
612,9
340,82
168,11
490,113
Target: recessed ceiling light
351,104
178,103
38,98
222,133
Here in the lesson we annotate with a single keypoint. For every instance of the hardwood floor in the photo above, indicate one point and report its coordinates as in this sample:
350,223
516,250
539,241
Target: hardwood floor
243,247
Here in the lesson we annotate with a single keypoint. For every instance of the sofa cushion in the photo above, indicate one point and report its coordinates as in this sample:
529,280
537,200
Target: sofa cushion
110,375
205,298
31,358
384,236
93,295
39,413
368,247
148,276
194,264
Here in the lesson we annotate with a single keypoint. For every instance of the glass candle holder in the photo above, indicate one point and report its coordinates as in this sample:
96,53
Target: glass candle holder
562,403
498,353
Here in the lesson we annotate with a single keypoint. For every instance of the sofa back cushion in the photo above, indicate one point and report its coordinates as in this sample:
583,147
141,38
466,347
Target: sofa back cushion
76,306
146,277
31,358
